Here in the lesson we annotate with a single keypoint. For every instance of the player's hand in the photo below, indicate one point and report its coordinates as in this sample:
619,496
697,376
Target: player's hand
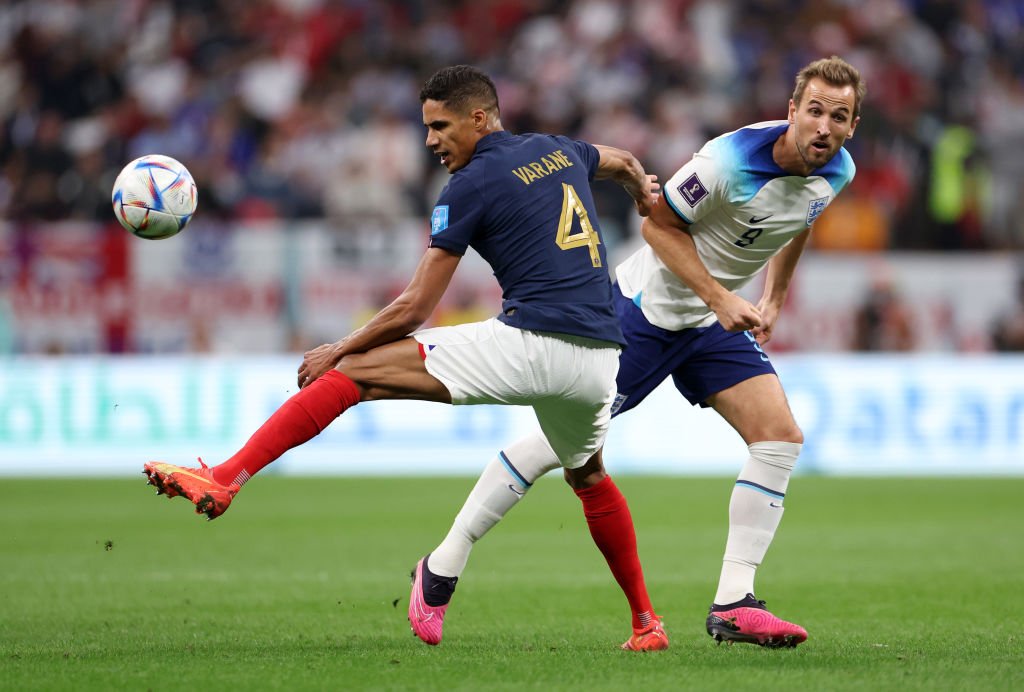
646,203
769,315
736,314
316,362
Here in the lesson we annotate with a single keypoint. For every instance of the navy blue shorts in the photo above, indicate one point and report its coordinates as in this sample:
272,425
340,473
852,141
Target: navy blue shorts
701,361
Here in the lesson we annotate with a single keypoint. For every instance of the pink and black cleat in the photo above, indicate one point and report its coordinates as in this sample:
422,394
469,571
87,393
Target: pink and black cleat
750,622
428,602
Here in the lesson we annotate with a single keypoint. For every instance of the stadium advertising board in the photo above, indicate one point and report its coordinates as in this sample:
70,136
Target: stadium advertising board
860,415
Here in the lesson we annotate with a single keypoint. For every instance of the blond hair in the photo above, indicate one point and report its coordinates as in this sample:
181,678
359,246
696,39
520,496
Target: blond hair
836,72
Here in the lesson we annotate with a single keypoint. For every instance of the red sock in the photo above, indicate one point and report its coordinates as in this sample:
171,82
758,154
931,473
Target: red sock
611,526
299,419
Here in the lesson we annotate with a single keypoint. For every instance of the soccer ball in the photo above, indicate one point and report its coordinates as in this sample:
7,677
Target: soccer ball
154,197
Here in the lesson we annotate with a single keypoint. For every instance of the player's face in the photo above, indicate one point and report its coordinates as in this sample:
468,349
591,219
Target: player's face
451,136
823,120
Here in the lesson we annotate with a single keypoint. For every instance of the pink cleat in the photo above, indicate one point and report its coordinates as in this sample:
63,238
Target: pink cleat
428,602
650,638
749,621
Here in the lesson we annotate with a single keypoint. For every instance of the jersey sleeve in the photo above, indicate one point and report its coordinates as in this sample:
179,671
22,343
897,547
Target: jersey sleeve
456,216
586,152
847,170
697,187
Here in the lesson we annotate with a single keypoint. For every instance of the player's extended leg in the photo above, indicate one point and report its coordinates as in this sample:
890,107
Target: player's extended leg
392,371
570,385
611,527
758,410
503,483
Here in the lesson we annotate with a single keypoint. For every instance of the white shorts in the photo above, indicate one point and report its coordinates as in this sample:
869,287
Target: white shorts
568,380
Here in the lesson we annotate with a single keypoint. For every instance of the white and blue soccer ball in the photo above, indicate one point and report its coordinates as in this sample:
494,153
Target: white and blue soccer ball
154,197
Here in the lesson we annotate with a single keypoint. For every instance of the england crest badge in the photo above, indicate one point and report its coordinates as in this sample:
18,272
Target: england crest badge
815,208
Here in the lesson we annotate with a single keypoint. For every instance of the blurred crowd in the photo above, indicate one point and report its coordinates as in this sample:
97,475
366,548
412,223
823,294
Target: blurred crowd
309,108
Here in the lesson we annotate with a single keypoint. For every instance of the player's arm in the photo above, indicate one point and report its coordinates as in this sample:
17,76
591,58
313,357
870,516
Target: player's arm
404,315
776,285
625,169
669,237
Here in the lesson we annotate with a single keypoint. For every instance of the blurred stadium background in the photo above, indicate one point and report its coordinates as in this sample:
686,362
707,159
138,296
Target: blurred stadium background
300,122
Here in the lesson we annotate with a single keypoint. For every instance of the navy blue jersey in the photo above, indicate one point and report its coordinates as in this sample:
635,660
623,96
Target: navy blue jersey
524,203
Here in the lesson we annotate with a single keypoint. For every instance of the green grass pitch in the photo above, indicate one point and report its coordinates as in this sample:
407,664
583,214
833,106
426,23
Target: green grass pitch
303,584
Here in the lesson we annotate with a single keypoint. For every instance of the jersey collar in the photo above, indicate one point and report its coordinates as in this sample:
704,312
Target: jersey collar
492,140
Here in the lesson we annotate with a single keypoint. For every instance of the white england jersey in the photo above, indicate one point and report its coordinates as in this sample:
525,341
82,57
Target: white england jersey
742,209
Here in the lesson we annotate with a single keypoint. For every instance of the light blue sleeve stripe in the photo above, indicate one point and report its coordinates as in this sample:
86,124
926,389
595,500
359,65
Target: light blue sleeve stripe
676,210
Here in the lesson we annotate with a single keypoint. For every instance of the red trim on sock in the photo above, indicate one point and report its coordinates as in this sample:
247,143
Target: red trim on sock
298,420
611,527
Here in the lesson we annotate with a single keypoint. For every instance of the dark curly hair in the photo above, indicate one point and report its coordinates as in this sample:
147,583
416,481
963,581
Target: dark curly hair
461,88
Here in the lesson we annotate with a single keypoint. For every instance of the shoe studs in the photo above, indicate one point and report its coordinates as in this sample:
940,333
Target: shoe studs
154,480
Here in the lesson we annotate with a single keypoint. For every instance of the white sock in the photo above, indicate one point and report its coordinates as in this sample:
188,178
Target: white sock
755,511
503,483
